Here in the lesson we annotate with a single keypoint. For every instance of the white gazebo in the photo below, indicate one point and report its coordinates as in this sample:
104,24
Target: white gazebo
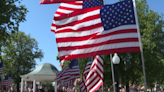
43,73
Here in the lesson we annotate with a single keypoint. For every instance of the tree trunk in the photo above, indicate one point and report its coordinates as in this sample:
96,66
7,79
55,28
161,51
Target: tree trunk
18,87
127,86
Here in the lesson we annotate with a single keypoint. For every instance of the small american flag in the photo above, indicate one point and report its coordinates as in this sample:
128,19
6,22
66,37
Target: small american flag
73,72
66,8
62,75
5,81
95,76
1,67
85,73
75,82
97,31
9,80
69,72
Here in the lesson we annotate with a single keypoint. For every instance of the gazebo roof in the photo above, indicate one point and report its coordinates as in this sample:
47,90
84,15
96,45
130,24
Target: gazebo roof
45,72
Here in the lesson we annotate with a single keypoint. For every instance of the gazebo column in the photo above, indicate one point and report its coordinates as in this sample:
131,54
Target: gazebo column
34,85
22,85
55,86
25,85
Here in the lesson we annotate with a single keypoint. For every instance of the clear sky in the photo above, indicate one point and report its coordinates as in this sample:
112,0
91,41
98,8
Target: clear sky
38,24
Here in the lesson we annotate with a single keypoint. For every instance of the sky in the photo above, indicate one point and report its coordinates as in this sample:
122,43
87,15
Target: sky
38,24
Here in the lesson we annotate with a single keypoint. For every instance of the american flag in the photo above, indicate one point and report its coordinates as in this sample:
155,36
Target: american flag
97,31
9,80
85,73
1,67
74,69
62,75
5,81
66,8
95,76
73,72
75,82
70,72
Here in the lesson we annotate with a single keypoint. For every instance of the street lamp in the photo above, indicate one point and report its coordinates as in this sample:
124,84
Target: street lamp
116,61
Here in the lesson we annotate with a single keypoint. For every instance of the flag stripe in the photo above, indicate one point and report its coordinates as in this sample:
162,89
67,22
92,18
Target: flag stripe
94,81
102,52
121,29
94,45
87,11
76,5
91,17
68,8
99,48
84,24
93,26
114,35
96,87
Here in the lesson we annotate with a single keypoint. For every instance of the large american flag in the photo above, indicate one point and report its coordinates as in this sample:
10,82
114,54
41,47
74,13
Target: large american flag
97,31
94,78
1,67
85,73
69,73
66,8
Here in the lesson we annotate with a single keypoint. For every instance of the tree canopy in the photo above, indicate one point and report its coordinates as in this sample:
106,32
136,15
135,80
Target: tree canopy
12,12
19,55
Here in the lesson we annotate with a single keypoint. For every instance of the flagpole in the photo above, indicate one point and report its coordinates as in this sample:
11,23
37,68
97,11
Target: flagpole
114,89
142,56
79,71
103,81
68,82
71,85
103,87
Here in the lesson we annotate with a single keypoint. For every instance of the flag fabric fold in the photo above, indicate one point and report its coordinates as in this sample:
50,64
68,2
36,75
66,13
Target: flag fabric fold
97,31
66,8
75,82
94,78
85,73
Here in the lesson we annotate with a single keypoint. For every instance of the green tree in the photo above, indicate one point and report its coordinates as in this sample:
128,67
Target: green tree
130,68
19,54
151,24
48,85
11,14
